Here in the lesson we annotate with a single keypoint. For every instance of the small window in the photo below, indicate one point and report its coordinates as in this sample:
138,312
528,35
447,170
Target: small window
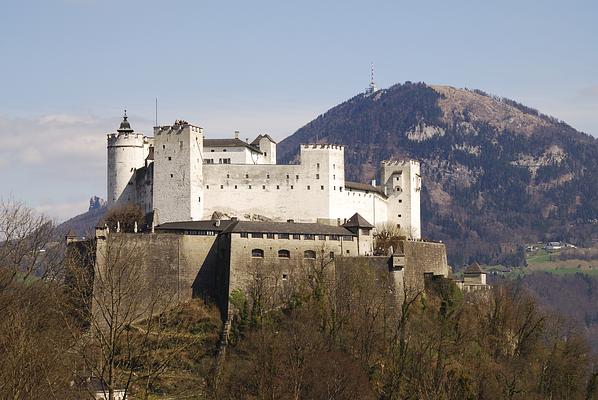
249,186
284,254
207,186
347,238
221,186
169,158
317,176
309,237
297,177
400,200
309,254
333,176
365,232
296,237
171,175
163,146
224,150
257,235
246,175
212,150
400,215
227,176
264,187
322,187
332,255
258,253
308,187
291,187
288,176
348,252
270,235
244,234
277,187
199,199
333,237
283,235
340,188
235,186
285,277
268,176
321,237
317,165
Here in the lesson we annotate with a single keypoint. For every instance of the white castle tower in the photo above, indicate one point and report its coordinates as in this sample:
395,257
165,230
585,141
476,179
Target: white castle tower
178,173
126,153
402,180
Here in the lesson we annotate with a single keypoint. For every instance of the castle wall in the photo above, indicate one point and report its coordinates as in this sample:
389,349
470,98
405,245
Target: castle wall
403,186
421,258
235,155
178,177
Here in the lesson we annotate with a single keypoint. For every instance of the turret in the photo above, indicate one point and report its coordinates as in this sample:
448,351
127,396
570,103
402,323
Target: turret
267,146
402,182
126,153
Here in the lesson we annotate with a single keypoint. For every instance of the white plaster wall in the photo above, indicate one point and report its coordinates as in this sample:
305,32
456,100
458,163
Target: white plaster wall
269,150
178,177
126,152
403,183
237,155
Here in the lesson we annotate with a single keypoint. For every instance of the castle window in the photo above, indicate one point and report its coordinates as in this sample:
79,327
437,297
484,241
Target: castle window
333,166
288,176
277,187
321,187
333,237
309,254
246,176
180,145
309,237
317,165
257,253
296,236
291,187
334,188
244,234
221,186
285,277
249,186
224,150
209,161
283,235
268,176
171,175
340,188
265,154
321,237
207,186
264,187
308,187
212,150
348,252
317,176
332,255
347,238
163,146
297,177
365,232
235,186
284,254
269,235
169,158
400,200
400,215
333,176
257,235
199,199
227,176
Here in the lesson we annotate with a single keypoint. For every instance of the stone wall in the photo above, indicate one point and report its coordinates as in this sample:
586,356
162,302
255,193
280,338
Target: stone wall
421,258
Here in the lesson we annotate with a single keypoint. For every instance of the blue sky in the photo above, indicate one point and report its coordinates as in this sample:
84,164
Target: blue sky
69,67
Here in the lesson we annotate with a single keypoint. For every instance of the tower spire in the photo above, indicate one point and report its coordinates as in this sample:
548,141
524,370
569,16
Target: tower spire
372,87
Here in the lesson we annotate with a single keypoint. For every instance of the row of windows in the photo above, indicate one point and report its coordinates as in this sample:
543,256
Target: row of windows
220,161
296,236
277,187
227,161
283,253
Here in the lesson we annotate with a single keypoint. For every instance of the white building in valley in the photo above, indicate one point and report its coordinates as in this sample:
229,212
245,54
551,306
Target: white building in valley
181,176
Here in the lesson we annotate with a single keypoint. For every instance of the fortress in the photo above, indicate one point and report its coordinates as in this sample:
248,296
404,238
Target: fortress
179,175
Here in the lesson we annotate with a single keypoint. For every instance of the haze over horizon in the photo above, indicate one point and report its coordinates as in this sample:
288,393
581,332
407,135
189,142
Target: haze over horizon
72,66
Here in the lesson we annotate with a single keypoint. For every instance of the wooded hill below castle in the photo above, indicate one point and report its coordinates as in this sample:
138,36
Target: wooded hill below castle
495,173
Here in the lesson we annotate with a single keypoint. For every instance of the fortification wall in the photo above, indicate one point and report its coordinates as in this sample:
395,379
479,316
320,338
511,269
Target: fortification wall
421,258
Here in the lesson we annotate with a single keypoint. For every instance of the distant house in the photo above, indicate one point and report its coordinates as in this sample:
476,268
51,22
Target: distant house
552,246
473,279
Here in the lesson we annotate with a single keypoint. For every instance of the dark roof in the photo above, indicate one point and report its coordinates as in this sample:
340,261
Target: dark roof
256,141
208,225
229,143
125,126
287,227
473,268
365,187
357,221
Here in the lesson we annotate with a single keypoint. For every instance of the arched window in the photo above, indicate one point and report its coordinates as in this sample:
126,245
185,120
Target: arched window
309,254
284,254
257,253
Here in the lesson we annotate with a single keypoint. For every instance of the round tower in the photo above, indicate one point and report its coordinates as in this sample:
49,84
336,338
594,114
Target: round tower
125,154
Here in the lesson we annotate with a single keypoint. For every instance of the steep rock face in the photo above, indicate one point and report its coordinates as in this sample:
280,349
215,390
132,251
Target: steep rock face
496,173
84,224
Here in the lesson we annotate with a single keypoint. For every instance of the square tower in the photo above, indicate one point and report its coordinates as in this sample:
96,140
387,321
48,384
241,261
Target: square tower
402,181
178,173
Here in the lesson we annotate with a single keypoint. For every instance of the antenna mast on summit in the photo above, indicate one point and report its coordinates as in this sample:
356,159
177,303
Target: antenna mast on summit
372,88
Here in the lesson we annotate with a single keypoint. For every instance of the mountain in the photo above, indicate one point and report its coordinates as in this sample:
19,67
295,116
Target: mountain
84,224
496,174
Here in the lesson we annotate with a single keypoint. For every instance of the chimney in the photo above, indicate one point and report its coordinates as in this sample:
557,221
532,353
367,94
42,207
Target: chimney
373,182
236,134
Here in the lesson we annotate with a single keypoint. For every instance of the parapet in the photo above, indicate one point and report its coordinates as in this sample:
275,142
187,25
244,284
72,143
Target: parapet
322,146
125,139
178,127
